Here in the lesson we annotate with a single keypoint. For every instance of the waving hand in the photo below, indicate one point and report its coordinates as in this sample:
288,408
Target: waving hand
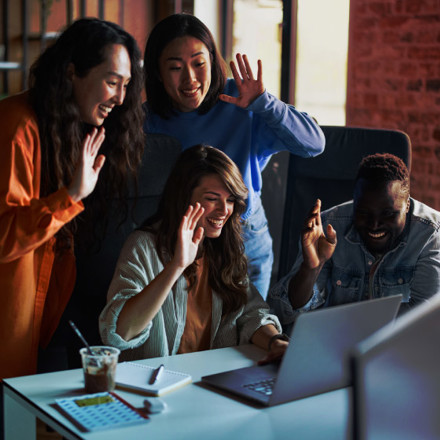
188,236
248,87
317,247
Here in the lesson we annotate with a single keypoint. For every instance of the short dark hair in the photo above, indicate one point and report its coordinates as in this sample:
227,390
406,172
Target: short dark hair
382,168
170,28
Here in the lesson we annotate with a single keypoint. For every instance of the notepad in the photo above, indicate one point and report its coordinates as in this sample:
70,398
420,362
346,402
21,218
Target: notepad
133,376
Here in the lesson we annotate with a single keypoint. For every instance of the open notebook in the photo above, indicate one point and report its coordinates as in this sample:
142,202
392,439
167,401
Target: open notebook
134,376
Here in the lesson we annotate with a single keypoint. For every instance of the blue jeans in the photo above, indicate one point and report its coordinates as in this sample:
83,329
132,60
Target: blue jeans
258,248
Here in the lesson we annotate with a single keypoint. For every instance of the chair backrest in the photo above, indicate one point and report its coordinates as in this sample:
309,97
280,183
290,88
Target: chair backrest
330,177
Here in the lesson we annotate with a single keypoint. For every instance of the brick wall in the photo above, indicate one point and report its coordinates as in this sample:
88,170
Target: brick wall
394,80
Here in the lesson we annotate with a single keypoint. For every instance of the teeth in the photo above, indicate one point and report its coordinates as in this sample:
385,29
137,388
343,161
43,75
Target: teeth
377,235
190,92
215,222
105,108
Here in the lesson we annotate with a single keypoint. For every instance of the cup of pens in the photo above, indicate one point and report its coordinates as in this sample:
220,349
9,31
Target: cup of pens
99,366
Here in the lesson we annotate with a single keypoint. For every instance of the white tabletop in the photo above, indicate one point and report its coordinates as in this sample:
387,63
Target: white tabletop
193,411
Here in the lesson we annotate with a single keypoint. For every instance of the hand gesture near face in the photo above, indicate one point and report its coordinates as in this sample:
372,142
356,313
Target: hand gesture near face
189,236
248,87
89,165
317,247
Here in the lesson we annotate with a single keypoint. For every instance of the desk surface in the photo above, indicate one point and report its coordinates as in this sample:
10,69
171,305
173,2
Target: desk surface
193,411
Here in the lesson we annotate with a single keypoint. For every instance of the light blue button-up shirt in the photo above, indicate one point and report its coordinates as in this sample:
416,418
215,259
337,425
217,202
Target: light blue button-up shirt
412,268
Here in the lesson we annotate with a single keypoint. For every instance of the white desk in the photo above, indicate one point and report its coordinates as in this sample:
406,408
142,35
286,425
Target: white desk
194,412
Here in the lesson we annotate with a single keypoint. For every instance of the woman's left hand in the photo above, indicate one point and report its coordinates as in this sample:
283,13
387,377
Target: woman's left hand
248,87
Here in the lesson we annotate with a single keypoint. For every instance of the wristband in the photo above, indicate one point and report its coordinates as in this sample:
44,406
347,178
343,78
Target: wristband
281,336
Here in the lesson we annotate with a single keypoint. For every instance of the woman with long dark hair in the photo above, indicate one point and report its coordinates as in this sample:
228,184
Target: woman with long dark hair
190,98
84,98
181,282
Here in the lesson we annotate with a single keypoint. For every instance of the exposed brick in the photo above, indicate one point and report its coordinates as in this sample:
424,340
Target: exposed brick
426,36
395,81
421,6
393,84
424,152
433,85
427,69
391,37
424,53
422,117
365,37
405,101
380,8
393,22
414,85
436,135
407,37
399,6
370,100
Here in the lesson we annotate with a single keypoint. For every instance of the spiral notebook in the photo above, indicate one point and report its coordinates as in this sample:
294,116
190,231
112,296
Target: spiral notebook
134,376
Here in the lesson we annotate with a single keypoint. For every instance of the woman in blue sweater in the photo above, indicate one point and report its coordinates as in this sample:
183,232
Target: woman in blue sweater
190,98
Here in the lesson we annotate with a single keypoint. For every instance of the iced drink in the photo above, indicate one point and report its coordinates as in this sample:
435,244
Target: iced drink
99,368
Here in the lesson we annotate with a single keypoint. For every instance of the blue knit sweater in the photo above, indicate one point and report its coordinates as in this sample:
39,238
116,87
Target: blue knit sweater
248,136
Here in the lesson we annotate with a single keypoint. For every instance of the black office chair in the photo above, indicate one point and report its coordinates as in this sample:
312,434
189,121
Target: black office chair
330,177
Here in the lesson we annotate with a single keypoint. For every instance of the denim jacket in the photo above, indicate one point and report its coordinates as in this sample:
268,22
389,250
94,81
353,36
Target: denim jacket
411,268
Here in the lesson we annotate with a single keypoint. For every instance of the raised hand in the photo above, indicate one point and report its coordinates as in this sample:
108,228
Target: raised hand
248,87
317,247
89,165
189,237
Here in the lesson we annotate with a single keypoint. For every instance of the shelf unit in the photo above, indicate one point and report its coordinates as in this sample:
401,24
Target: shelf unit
7,66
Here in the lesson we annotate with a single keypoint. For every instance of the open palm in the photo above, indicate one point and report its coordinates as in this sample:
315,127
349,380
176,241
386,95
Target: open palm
248,87
317,247
189,236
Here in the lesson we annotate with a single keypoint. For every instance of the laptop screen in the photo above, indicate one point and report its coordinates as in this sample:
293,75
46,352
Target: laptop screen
397,378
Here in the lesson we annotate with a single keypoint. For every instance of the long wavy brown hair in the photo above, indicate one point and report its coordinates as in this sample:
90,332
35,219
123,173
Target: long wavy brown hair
83,45
227,264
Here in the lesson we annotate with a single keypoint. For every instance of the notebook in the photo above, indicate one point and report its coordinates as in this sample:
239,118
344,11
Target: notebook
317,359
134,376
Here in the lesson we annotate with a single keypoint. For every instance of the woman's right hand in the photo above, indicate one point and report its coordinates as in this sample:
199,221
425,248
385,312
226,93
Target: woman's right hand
89,165
189,237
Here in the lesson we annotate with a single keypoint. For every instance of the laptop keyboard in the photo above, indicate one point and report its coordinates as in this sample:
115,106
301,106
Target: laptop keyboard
264,387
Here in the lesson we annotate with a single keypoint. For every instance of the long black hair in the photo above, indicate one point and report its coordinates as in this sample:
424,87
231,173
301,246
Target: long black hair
84,45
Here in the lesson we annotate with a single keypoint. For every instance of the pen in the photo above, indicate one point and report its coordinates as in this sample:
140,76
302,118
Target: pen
156,374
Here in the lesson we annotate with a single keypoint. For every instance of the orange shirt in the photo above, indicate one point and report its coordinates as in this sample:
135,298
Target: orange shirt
33,283
197,333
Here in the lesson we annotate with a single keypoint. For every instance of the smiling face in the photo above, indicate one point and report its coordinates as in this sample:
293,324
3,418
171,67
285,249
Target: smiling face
218,202
380,214
104,86
185,70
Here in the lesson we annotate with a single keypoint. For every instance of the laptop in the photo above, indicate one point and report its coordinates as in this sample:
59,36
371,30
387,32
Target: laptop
317,359
397,378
